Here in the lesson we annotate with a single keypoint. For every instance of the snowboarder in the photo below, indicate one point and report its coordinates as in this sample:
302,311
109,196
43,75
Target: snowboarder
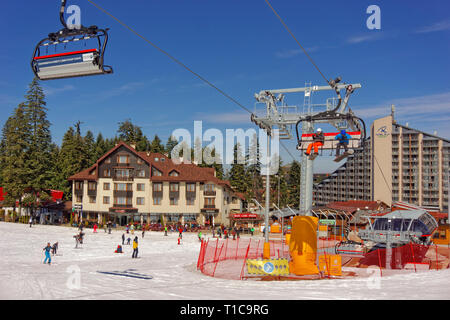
343,139
135,248
47,253
95,228
123,238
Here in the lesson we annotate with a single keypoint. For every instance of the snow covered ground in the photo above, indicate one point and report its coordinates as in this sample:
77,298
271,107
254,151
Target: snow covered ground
74,272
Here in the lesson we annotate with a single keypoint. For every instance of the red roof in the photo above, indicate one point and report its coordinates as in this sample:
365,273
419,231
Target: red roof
186,172
353,205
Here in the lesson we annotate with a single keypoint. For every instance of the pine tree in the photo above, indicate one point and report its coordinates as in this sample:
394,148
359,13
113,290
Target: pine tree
156,145
293,185
237,174
101,146
132,134
39,145
14,156
171,143
90,147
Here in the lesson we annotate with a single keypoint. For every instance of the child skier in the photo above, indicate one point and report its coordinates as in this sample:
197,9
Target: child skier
47,253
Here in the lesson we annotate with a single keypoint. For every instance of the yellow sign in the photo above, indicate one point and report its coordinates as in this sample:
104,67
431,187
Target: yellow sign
332,265
275,267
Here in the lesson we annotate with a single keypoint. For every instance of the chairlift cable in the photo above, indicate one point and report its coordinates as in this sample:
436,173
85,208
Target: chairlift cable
293,36
180,63
171,57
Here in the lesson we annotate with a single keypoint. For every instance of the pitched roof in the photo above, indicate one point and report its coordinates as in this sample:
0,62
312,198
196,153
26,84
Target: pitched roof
186,172
353,205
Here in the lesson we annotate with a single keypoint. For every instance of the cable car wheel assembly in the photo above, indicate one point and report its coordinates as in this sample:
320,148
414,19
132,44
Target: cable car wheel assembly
75,63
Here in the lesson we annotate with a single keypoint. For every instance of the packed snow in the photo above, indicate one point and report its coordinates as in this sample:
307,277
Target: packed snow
74,272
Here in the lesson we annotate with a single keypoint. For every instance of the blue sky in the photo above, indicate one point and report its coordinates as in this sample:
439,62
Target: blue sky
242,48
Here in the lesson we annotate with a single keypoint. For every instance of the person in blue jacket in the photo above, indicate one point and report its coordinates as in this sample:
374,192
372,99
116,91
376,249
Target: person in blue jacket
343,138
47,253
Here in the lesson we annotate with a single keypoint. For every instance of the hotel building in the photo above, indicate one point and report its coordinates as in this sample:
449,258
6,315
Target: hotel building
399,164
125,185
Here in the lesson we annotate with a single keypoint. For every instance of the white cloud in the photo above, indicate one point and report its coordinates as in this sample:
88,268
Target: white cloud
225,118
421,106
49,91
438,26
364,38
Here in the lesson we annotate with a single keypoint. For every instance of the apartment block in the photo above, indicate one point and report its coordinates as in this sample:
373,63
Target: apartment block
399,164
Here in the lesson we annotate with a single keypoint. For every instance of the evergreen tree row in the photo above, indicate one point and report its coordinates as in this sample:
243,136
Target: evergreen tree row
31,163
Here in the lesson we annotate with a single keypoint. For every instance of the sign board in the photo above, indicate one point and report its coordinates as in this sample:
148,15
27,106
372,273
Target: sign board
327,221
78,206
245,216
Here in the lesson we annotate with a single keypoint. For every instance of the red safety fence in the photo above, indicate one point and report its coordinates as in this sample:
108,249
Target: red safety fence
226,258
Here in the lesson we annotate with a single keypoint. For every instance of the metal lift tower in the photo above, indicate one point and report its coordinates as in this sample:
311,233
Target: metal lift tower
279,114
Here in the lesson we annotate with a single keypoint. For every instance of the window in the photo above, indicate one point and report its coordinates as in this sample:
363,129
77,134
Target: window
122,201
92,199
157,186
107,173
156,159
173,201
123,186
141,173
123,159
156,172
122,173
190,187
174,187
173,174
105,200
92,186
190,201
78,185
210,201
140,187
209,187
140,201
157,201
106,186
78,198
108,160
139,161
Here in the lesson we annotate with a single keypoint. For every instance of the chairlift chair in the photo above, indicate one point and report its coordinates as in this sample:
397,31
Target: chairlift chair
74,63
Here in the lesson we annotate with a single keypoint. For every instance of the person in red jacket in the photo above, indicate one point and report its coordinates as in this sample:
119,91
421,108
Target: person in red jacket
95,228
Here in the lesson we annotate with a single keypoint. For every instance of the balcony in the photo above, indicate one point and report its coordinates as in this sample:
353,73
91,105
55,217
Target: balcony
123,178
209,193
209,206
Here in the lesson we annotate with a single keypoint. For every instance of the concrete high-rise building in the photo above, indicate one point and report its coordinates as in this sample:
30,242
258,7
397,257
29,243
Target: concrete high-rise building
399,164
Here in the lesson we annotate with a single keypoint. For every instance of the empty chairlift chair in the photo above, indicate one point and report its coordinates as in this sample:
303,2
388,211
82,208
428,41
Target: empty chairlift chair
70,64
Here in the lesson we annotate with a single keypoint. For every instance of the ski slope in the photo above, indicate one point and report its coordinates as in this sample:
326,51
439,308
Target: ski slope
74,272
